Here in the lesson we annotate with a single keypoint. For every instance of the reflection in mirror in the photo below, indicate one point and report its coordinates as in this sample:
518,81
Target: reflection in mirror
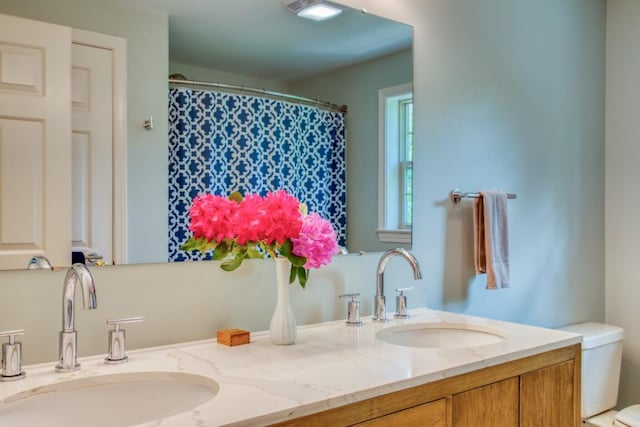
39,263
346,60
221,142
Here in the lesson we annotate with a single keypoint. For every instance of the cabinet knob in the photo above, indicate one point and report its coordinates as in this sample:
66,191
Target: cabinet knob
353,309
117,344
12,357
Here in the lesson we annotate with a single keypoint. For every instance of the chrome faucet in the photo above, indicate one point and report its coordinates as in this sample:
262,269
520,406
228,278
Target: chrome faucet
379,309
77,273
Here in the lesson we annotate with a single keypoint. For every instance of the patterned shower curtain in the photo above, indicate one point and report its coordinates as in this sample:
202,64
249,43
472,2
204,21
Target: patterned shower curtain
221,142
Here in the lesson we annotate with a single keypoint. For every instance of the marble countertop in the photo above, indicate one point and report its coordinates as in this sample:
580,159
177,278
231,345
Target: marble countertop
330,365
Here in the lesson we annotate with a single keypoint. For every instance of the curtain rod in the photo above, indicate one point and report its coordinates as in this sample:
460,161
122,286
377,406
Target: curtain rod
264,92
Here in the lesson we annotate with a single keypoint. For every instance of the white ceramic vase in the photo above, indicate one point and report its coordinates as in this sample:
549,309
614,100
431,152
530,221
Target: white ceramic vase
283,323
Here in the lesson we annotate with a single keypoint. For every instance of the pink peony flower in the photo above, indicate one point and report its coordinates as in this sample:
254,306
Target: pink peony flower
212,217
316,242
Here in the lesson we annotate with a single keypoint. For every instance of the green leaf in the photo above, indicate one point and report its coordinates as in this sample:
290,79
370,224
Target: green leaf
302,276
190,244
235,250
286,248
236,196
254,253
221,252
296,260
200,244
233,263
293,273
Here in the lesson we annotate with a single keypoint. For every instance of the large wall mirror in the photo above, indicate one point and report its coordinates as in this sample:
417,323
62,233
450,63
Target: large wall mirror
348,60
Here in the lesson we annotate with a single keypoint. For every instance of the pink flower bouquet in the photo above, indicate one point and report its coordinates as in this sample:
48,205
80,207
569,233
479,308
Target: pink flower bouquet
275,225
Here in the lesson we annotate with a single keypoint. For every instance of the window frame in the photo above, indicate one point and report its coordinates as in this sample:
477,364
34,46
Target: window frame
390,186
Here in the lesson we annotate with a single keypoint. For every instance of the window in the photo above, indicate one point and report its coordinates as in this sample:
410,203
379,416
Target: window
395,182
406,162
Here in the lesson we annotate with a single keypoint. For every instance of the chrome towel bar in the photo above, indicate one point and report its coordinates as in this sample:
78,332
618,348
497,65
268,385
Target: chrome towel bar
457,195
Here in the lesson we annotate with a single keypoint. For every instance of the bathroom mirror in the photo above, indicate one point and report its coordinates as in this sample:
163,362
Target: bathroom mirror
345,60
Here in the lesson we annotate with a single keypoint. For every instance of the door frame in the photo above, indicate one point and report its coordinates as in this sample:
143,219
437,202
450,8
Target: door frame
118,47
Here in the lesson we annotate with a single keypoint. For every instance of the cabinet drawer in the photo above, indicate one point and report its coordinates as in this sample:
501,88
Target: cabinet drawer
433,414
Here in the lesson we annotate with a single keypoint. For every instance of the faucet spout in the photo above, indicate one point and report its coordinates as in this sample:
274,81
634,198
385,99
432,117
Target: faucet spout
76,274
379,311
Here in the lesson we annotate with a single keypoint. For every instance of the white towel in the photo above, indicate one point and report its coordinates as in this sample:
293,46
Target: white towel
491,238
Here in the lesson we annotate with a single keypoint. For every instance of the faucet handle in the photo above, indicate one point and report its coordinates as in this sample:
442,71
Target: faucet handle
401,303
12,334
116,352
12,357
352,296
353,309
118,322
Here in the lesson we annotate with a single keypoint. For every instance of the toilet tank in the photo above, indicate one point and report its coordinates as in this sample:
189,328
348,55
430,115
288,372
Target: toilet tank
601,359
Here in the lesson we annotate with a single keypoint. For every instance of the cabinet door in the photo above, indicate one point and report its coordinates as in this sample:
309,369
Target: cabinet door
547,397
493,405
432,414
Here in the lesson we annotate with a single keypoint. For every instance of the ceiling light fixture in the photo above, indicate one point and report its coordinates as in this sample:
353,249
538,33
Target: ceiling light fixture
318,10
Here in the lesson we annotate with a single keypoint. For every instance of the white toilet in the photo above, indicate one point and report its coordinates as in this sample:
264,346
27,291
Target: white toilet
601,359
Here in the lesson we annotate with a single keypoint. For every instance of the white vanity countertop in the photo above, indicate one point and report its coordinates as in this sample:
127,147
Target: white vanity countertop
329,366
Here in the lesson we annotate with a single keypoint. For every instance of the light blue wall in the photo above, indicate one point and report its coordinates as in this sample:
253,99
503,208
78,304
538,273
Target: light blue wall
509,95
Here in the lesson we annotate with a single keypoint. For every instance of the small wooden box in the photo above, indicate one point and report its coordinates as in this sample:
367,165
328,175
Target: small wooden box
233,337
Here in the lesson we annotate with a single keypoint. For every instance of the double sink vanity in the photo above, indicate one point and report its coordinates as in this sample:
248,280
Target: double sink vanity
432,369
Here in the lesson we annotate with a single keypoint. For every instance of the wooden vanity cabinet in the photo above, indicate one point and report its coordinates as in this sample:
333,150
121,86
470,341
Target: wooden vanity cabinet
539,390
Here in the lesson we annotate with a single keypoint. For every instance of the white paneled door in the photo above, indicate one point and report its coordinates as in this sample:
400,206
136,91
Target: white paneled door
92,149
35,150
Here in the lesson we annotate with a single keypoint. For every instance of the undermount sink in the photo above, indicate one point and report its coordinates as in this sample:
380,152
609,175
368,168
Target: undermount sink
441,335
108,400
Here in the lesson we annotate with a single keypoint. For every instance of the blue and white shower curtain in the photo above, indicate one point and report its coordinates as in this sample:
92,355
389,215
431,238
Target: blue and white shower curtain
222,142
